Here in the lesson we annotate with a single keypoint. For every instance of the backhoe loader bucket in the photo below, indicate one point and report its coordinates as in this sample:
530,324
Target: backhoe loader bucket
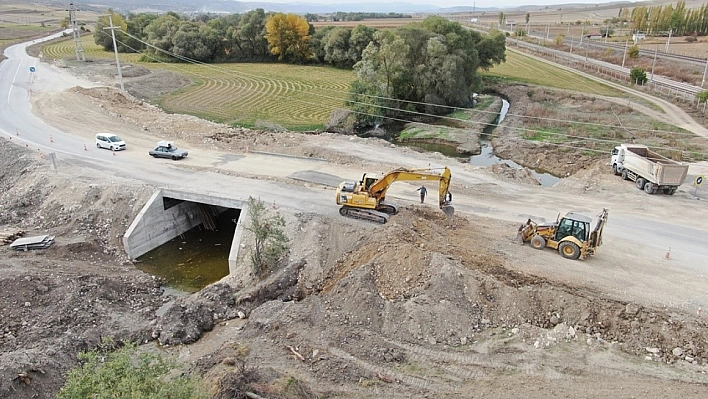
449,210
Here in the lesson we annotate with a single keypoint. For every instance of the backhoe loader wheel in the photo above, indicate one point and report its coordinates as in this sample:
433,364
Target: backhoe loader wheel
569,250
538,242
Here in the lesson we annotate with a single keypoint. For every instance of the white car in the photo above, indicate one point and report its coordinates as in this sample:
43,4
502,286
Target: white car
110,141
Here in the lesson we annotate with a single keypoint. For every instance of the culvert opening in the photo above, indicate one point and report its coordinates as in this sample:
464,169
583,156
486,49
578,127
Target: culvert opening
199,256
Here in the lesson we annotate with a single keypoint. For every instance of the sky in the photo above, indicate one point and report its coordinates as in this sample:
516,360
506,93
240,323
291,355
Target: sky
453,3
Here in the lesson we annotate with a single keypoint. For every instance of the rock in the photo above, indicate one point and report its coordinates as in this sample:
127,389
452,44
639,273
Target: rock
463,341
515,330
653,350
631,309
241,315
554,320
677,352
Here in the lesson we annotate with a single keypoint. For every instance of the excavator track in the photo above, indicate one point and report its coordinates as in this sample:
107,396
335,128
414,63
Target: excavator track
364,214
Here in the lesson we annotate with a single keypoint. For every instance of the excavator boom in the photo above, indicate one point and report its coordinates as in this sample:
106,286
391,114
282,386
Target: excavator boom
365,199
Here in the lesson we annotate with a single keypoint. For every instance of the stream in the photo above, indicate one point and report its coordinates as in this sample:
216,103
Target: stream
487,156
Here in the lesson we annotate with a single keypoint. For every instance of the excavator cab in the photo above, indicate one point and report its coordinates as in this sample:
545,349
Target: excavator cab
365,199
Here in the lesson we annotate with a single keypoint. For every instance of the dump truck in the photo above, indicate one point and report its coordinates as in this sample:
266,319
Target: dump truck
651,172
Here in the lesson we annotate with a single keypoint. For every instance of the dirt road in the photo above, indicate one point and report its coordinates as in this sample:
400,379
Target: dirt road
419,307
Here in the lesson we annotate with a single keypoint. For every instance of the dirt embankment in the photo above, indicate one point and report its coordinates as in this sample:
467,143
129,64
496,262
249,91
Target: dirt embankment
419,307
415,307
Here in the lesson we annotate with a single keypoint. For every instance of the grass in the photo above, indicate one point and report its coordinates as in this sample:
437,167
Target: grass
295,97
546,135
521,68
11,34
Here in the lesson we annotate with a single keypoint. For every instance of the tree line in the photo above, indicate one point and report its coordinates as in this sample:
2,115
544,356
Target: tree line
425,66
661,19
354,16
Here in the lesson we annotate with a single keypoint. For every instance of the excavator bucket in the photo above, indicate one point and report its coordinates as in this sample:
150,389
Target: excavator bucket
449,210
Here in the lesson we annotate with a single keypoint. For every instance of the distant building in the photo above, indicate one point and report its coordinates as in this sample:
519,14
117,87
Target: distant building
595,35
639,36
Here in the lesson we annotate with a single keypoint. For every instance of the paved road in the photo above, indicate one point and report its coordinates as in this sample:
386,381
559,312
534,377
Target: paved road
640,228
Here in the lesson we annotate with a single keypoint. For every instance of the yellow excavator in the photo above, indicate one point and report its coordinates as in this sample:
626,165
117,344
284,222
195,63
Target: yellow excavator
364,199
570,235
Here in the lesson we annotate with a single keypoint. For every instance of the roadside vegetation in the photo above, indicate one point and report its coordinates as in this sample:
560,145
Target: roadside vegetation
270,240
122,373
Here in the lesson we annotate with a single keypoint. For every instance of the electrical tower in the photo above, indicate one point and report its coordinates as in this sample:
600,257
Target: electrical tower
76,32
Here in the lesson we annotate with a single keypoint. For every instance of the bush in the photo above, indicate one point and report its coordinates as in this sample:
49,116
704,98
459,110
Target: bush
633,51
638,76
560,39
703,96
271,243
122,373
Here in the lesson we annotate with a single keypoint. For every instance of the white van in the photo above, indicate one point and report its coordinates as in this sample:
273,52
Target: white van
110,141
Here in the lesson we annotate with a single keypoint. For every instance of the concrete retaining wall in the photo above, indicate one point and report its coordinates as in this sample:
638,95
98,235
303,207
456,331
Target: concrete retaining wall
155,225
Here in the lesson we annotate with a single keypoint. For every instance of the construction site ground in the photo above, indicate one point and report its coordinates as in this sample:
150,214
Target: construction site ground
420,307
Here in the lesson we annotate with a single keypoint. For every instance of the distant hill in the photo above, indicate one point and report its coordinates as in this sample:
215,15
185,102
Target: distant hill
231,6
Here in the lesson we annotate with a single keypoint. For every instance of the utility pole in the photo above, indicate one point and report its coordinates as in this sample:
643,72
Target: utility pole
548,30
607,32
571,45
115,49
656,51
624,56
704,74
666,50
78,46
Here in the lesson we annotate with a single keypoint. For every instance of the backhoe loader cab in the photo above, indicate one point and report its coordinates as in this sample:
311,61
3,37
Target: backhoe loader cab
571,235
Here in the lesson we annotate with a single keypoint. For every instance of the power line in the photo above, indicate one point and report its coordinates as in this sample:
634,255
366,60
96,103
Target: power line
257,78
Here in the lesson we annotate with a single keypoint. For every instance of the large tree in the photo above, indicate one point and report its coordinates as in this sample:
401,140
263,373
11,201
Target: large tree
103,37
289,37
426,67
251,37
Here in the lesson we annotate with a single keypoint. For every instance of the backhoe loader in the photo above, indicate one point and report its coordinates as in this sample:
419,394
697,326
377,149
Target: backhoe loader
570,235
364,199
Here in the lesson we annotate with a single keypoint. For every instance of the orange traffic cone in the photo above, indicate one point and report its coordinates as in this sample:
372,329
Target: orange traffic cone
85,149
668,253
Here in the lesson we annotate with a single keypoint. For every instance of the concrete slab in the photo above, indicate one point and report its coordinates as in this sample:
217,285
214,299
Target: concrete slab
313,176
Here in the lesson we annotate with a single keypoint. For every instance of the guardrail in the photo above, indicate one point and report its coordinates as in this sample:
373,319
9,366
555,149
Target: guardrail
656,82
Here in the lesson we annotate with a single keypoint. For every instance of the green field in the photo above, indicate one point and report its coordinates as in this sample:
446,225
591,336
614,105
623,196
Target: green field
521,68
293,96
